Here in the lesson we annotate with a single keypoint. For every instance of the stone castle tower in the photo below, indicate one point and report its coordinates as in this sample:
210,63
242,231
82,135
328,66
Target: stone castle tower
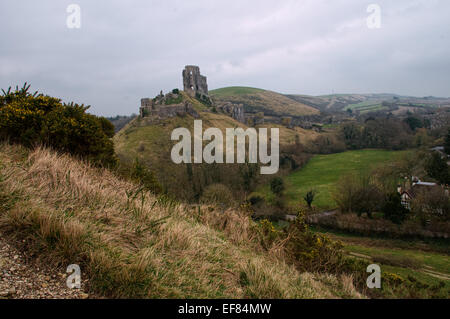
193,81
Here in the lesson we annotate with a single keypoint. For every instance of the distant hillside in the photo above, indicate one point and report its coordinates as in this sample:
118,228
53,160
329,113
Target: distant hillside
150,143
365,103
258,100
338,102
120,121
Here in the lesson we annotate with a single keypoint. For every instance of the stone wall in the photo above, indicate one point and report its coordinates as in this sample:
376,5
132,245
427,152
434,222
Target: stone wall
236,111
165,106
167,111
193,81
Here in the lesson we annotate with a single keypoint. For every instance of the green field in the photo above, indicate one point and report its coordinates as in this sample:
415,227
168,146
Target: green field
367,106
427,262
235,90
323,172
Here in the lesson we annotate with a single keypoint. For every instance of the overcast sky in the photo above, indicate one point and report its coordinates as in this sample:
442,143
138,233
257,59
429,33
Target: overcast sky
126,50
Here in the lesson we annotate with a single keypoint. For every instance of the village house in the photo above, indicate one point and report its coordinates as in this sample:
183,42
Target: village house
407,195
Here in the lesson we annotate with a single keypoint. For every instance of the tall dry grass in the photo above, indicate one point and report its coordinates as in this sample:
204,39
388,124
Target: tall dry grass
132,244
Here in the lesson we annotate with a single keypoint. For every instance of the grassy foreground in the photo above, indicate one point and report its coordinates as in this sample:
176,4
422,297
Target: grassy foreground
131,244
323,172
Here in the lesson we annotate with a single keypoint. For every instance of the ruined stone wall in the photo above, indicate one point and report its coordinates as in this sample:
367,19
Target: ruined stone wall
193,81
167,111
236,111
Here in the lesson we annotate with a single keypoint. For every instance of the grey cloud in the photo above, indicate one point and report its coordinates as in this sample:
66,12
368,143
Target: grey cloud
126,50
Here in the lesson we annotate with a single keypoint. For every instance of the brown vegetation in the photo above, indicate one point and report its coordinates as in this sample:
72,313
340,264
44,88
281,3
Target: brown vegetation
131,243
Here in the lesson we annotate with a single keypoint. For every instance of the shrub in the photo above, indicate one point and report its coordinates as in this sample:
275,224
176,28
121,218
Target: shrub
447,143
432,204
310,251
174,100
145,177
203,99
277,186
437,168
268,233
393,209
31,119
358,194
255,200
345,194
309,197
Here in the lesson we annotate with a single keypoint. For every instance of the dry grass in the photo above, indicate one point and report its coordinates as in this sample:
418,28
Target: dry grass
132,244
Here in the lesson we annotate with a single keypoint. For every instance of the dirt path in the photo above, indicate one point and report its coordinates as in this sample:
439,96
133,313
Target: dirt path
21,279
426,269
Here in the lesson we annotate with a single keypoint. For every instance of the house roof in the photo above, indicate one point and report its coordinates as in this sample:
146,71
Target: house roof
424,184
410,193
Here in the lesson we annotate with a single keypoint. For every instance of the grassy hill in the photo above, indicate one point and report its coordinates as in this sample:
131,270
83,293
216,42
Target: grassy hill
339,102
132,244
258,100
365,103
151,144
323,172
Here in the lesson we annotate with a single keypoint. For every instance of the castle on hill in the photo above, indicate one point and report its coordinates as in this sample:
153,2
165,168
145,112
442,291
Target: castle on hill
172,104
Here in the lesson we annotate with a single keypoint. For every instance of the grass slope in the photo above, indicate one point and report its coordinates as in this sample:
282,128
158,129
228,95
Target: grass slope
132,244
323,172
151,143
258,100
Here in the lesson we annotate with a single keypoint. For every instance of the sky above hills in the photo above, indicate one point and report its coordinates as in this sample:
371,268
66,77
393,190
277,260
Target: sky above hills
125,50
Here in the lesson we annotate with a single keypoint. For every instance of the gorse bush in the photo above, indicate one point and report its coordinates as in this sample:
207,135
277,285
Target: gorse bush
310,251
302,247
31,119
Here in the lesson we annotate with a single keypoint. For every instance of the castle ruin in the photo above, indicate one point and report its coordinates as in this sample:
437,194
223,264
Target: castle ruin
165,106
173,104
194,83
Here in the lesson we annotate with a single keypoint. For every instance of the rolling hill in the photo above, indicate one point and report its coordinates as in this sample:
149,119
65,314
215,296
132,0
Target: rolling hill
151,144
340,102
258,100
365,103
